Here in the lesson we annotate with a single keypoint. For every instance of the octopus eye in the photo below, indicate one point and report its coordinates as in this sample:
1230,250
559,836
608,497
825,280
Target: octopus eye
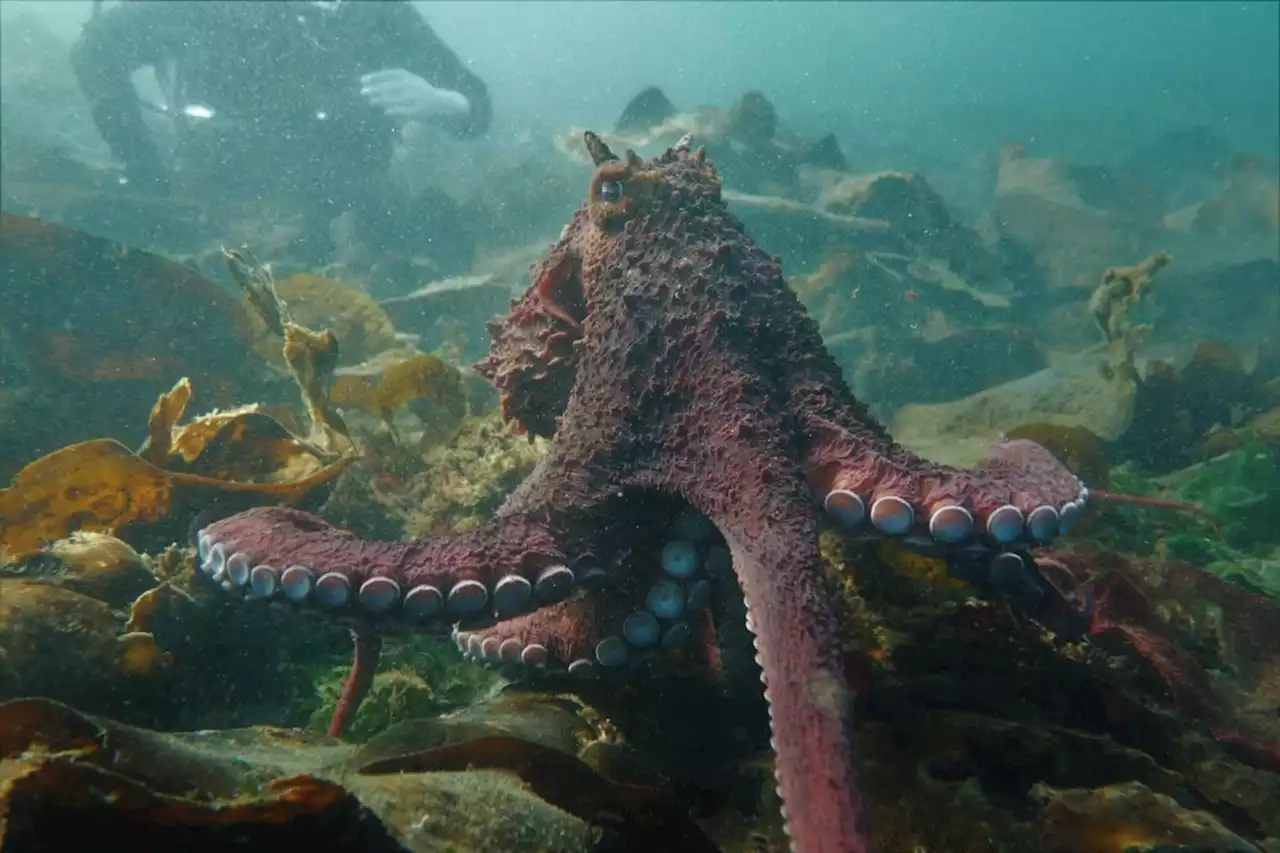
610,192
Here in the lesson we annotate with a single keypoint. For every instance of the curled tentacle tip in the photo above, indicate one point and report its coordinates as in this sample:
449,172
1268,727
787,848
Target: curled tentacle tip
1159,503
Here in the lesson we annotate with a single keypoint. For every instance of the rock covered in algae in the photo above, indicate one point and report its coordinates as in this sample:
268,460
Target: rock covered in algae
95,565
468,479
1069,394
970,711
944,364
55,642
480,784
1247,208
418,678
1128,818
1178,406
1044,204
69,321
88,620
63,625
92,330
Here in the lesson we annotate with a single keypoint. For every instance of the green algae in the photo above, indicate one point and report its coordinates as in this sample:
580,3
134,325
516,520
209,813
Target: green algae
1241,489
417,678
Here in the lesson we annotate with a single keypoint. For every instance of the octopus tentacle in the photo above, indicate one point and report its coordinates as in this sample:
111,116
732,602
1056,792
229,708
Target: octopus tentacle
509,567
621,617
1158,503
809,701
867,483
364,666
1020,494
810,705
756,496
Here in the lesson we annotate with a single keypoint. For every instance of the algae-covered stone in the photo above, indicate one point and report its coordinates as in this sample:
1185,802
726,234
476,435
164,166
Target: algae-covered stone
466,481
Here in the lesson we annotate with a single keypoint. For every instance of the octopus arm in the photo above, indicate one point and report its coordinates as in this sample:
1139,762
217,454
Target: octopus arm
511,565
735,462
774,546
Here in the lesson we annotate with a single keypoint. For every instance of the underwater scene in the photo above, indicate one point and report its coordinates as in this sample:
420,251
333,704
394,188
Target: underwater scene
494,427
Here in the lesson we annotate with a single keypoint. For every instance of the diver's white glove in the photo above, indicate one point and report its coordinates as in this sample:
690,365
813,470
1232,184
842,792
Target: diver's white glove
406,95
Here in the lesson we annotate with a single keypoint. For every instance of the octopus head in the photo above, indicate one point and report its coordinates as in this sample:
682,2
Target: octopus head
535,349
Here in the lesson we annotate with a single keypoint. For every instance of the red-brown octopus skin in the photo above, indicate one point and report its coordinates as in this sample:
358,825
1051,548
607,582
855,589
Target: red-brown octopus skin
661,351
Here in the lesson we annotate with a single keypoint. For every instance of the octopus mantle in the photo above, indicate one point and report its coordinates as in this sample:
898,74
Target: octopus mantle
662,352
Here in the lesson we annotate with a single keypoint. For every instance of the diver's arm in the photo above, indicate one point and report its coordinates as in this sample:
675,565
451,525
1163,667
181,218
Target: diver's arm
113,45
417,48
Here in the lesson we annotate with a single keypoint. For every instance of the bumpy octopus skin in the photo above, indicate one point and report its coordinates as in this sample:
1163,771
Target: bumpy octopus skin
661,351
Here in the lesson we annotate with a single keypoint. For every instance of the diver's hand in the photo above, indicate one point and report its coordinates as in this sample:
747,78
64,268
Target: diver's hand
406,95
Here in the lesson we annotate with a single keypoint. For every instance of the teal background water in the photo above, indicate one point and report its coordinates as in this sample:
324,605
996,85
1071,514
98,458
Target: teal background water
1094,75
1091,79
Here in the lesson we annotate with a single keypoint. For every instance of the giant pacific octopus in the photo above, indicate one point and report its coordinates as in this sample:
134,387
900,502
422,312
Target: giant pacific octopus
696,422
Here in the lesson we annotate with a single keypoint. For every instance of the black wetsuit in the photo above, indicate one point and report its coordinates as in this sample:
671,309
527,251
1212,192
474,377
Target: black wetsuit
282,79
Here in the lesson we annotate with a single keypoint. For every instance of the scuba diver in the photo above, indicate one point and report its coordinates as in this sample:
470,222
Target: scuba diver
288,98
